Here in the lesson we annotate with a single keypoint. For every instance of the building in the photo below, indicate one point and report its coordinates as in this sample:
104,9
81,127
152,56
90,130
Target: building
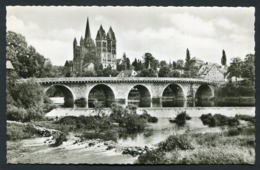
127,73
212,72
103,51
196,62
106,47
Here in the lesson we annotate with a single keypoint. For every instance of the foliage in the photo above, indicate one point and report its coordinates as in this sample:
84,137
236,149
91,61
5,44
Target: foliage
152,157
109,72
24,100
245,88
150,60
187,60
16,131
128,119
133,123
149,118
182,142
174,73
26,60
204,148
181,118
234,69
164,72
27,94
81,102
15,113
246,118
87,122
218,120
224,58
148,73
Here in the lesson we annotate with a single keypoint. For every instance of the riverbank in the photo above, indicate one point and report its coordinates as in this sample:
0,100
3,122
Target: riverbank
157,112
82,141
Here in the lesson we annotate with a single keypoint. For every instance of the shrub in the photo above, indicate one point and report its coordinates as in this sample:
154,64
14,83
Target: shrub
206,118
16,131
218,120
15,113
81,102
149,118
182,142
246,118
116,113
181,118
152,157
87,122
133,123
241,131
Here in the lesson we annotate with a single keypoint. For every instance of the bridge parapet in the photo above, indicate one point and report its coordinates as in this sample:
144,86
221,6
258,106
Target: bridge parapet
122,80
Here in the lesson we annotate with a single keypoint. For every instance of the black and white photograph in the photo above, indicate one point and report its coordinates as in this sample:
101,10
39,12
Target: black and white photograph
130,85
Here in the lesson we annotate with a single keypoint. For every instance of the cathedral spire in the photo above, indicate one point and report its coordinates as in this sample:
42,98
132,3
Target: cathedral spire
87,33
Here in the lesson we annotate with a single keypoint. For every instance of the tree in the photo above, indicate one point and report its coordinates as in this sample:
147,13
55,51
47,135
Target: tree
128,63
248,67
174,64
235,68
148,73
187,63
224,58
26,60
135,63
174,73
164,72
149,59
163,63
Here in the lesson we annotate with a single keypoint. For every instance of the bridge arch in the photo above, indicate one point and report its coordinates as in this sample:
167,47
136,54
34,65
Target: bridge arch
173,95
139,95
102,93
66,91
204,91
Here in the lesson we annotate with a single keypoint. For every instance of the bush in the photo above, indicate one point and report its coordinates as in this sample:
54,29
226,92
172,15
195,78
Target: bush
181,118
149,118
81,102
241,131
182,142
16,114
16,131
218,120
246,118
133,123
152,157
206,118
87,122
116,113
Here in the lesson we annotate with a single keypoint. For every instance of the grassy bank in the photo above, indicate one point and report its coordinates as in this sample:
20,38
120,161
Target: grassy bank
235,146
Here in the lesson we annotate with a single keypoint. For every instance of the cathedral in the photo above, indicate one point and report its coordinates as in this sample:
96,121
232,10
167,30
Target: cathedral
87,52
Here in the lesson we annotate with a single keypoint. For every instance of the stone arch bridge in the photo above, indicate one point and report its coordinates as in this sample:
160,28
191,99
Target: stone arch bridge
118,88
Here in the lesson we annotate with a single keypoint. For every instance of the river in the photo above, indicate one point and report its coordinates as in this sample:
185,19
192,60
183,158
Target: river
36,151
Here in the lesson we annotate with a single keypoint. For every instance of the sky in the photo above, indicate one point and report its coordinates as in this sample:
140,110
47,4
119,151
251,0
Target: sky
165,32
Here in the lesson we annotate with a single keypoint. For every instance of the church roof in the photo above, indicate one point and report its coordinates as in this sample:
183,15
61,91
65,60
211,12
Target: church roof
87,33
111,34
101,34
